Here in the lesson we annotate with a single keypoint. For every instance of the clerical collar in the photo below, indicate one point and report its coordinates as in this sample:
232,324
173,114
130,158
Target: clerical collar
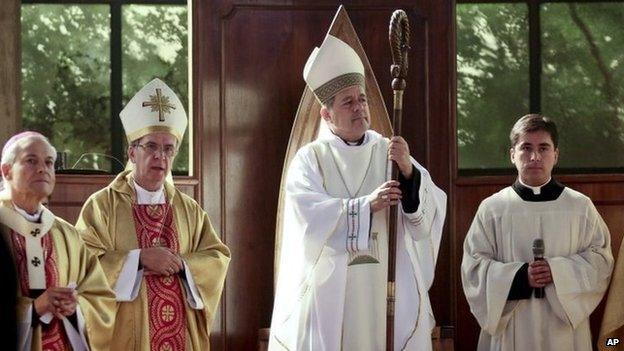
355,143
32,218
146,197
547,192
536,189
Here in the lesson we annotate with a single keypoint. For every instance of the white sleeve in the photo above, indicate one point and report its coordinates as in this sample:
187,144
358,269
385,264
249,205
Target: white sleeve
129,281
193,298
25,331
428,219
487,281
46,318
581,279
77,338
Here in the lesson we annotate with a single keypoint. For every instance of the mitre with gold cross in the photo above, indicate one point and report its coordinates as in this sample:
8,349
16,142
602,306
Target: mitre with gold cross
155,108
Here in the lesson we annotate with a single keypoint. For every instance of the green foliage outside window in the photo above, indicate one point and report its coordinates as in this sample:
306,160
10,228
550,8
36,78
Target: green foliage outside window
66,77
66,72
492,80
583,81
582,52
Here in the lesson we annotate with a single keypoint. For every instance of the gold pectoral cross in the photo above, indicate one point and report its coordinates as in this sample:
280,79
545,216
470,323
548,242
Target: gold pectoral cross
160,103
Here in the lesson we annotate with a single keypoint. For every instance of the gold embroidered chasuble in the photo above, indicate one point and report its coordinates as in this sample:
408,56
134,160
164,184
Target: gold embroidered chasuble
74,263
108,228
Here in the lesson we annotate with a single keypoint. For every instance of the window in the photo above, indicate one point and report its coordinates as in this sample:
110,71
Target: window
562,59
82,62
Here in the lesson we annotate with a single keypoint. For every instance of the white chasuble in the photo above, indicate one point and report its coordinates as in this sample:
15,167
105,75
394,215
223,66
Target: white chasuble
327,298
499,242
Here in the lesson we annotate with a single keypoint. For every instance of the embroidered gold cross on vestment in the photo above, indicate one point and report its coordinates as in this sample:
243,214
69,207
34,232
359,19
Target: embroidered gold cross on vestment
160,103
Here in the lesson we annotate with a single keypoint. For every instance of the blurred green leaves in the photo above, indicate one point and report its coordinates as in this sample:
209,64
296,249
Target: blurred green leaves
66,70
492,80
581,81
66,76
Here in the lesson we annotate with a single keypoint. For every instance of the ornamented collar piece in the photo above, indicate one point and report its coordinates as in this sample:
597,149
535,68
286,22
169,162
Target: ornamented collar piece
32,233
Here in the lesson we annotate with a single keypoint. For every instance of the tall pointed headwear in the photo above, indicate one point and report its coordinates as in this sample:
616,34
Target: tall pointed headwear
333,67
155,108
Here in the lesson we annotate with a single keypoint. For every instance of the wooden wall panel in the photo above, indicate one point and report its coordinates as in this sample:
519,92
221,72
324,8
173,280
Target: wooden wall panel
10,72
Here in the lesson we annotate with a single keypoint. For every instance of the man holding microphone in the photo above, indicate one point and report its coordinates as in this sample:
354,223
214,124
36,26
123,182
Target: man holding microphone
537,258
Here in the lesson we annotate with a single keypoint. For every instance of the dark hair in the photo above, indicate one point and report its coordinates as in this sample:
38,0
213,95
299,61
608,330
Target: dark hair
533,123
329,103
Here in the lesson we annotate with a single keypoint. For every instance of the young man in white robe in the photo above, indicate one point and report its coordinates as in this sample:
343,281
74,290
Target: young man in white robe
331,289
502,281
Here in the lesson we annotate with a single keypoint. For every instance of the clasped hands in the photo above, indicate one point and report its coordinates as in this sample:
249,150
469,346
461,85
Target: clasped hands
61,302
539,274
160,261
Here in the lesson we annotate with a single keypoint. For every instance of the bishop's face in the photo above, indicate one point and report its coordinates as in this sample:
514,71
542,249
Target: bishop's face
153,158
31,176
348,117
534,156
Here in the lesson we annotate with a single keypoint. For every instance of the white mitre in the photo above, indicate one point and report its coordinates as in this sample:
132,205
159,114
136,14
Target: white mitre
333,67
155,108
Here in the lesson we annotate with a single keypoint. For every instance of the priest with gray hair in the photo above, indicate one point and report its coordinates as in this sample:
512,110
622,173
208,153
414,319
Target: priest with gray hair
63,299
331,288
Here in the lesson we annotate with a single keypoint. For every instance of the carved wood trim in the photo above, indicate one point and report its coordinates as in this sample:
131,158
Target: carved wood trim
10,69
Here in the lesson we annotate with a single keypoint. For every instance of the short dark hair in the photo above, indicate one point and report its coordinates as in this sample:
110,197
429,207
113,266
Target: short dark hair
533,123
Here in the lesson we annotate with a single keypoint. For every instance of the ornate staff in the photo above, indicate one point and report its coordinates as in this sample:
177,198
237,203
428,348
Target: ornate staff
399,44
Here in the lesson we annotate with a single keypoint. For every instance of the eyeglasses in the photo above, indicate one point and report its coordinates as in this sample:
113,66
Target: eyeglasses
168,151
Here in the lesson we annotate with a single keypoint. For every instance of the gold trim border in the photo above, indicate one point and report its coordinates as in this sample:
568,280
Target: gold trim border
153,129
332,87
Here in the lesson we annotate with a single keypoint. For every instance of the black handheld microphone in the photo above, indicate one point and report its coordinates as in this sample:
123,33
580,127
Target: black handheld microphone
538,255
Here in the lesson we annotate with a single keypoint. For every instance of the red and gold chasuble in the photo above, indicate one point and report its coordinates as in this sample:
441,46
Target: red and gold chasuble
167,320
53,336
